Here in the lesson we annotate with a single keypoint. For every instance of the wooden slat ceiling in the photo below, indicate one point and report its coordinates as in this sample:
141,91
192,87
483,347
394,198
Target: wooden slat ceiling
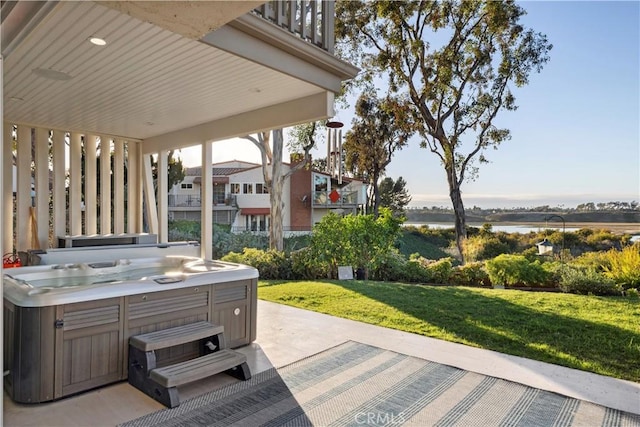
146,81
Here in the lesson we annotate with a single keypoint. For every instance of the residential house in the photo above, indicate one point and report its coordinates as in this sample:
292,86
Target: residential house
241,197
92,91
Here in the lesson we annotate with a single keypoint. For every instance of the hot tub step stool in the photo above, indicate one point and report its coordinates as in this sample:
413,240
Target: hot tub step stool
161,383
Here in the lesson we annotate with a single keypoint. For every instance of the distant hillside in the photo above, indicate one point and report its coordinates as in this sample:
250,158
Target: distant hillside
415,215
568,217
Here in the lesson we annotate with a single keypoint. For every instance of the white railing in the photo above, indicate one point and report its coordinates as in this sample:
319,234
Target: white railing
193,200
58,183
311,20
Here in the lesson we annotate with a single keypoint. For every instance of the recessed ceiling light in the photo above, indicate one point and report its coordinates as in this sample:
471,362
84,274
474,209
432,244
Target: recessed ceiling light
97,41
16,98
48,73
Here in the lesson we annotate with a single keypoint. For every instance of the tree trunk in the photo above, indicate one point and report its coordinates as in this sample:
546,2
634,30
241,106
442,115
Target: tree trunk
276,234
460,223
376,194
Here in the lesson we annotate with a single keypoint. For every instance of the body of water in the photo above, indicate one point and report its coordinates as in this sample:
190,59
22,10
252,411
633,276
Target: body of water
506,228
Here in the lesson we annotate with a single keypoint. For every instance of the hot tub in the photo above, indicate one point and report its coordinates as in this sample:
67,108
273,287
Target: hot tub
67,325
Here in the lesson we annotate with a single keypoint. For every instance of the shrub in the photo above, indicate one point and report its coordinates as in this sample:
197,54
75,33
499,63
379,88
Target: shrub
440,270
624,266
596,261
586,281
393,266
602,239
632,293
531,254
470,274
305,266
416,269
294,243
184,230
553,270
356,240
515,269
482,247
224,241
271,264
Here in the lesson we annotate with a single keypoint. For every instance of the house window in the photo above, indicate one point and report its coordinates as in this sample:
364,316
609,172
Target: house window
185,186
321,183
247,188
321,187
262,188
235,188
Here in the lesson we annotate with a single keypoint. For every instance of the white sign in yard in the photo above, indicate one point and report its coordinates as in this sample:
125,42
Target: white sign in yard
345,272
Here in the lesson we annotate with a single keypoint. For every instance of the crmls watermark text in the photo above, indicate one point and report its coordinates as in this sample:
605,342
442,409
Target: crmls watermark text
379,418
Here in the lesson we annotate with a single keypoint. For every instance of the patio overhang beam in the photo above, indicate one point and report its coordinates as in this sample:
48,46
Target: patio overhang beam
259,41
302,110
191,19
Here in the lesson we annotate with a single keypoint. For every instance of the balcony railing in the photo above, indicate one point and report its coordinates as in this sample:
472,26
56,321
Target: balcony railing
311,20
345,198
193,201
292,230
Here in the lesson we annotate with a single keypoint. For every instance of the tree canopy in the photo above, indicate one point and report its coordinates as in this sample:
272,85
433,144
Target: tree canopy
454,65
357,240
378,131
394,195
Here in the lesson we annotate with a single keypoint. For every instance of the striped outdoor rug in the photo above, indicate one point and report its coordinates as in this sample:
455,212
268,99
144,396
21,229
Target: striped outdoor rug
355,384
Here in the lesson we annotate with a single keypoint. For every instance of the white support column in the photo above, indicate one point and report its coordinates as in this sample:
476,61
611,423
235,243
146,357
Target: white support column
59,192
118,186
75,185
90,185
3,200
7,189
163,196
23,189
134,189
206,198
42,186
105,185
149,193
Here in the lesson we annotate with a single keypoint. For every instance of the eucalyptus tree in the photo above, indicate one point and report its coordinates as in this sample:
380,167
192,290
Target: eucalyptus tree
456,62
271,152
380,128
394,195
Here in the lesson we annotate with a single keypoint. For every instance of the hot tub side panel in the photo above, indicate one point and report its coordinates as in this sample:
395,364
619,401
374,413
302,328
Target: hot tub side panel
235,308
89,345
29,352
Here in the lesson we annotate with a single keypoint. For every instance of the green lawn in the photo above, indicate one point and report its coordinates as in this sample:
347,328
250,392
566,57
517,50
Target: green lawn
596,334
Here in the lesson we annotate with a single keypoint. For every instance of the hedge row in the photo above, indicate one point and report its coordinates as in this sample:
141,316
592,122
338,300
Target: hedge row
609,273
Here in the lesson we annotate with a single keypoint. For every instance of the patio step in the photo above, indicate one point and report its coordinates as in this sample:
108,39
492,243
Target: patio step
176,336
195,369
161,383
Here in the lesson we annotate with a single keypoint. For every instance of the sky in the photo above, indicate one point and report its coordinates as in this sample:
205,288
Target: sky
575,137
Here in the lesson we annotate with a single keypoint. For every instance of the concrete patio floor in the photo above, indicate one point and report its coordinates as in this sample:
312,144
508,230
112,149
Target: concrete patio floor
287,334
